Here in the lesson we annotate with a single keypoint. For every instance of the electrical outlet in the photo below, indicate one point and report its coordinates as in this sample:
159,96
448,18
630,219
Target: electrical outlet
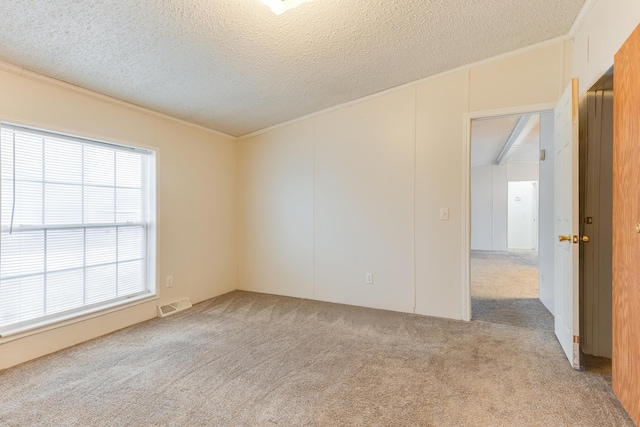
368,278
169,281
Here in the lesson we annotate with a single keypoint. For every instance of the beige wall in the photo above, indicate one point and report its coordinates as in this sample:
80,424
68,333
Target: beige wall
533,78
196,198
368,181
364,160
606,27
277,216
439,180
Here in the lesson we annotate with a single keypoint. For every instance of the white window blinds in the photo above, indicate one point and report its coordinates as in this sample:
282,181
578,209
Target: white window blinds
75,224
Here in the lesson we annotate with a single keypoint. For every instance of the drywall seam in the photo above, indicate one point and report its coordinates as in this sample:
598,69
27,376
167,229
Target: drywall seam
494,205
564,65
467,116
467,67
582,17
415,173
238,240
313,221
22,72
466,214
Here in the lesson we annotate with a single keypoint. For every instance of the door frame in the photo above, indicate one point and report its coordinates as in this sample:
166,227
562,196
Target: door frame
466,188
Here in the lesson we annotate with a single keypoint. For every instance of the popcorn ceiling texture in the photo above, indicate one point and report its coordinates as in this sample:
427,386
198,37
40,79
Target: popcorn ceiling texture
488,137
234,66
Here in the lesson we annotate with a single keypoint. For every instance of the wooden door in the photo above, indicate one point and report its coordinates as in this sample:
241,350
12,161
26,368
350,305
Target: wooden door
566,199
626,217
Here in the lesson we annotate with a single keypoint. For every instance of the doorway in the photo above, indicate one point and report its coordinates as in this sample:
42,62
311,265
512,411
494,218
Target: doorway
596,212
506,185
522,214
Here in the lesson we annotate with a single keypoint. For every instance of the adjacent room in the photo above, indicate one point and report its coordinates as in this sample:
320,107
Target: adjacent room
314,212
505,200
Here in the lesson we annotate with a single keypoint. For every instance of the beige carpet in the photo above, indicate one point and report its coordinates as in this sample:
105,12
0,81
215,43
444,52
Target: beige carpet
246,359
504,289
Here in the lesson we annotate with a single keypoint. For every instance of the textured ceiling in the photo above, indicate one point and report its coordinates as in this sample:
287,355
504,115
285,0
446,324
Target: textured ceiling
488,137
234,66
529,148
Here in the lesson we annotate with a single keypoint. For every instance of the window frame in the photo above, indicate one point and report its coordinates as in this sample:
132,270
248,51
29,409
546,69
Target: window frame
149,224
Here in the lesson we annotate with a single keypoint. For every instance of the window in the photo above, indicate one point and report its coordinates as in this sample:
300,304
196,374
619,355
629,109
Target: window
77,226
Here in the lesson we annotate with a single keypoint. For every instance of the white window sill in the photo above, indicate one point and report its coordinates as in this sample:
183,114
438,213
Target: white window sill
76,317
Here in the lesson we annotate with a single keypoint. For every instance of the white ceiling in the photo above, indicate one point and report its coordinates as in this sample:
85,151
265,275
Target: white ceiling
489,136
234,66
529,148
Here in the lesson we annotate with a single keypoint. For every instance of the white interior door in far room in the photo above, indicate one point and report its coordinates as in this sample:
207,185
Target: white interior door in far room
566,189
522,204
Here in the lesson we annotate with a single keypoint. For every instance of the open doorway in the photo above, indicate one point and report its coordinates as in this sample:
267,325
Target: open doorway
506,186
522,214
596,213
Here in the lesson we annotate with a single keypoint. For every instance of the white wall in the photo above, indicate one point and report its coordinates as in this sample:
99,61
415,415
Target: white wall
364,205
489,207
604,30
369,182
441,104
500,208
196,197
482,207
522,171
546,223
277,216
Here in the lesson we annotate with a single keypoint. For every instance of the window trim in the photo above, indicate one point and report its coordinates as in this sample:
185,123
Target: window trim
151,293
74,317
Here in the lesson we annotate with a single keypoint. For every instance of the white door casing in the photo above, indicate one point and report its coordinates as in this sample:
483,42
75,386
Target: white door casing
566,189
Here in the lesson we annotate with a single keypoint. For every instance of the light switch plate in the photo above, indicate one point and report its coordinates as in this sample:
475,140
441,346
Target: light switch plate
444,214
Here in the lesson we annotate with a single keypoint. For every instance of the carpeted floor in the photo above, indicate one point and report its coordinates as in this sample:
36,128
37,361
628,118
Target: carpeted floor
246,359
504,289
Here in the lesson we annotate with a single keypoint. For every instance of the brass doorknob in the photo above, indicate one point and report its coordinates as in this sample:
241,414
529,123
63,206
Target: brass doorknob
585,239
564,238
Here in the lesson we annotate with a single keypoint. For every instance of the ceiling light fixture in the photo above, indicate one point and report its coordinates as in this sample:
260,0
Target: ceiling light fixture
280,6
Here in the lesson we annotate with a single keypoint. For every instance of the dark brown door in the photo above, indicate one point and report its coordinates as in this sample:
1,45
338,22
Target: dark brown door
626,226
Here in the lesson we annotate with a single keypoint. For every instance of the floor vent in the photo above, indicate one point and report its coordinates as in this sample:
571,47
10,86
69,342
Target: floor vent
174,307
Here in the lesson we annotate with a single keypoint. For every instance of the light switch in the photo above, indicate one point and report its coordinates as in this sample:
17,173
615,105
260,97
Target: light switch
444,214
